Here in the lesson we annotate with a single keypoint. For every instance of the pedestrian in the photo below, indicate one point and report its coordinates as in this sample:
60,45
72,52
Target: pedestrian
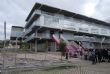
103,55
85,54
96,55
99,56
81,54
89,55
93,56
108,55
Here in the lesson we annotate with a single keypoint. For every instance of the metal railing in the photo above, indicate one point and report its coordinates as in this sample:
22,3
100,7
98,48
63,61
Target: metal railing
42,35
29,38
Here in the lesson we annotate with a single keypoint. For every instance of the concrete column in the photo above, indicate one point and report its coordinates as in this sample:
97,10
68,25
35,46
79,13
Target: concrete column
36,45
16,43
47,45
30,46
55,47
36,41
22,39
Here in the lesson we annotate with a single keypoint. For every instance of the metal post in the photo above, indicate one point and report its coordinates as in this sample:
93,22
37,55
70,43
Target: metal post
36,45
79,47
3,69
55,47
15,57
102,42
30,46
4,34
3,51
101,45
36,41
16,43
15,51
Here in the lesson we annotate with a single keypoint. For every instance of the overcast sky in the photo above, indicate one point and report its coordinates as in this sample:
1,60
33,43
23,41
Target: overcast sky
14,12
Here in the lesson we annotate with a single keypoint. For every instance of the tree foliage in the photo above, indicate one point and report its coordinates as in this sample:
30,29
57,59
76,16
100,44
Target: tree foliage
62,46
25,46
2,43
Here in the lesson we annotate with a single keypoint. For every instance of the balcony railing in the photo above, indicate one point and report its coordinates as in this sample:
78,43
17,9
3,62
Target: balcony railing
34,16
39,35
43,35
36,23
73,24
89,39
29,38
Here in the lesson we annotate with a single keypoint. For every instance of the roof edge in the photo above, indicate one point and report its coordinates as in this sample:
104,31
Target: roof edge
79,16
18,27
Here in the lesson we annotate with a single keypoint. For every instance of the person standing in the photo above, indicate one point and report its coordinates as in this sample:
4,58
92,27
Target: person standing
108,55
99,56
93,57
96,55
85,55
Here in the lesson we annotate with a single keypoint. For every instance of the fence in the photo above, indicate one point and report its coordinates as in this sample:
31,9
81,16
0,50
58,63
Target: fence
14,62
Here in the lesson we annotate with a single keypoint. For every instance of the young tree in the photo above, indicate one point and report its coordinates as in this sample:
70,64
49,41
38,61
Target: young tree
62,46
25,46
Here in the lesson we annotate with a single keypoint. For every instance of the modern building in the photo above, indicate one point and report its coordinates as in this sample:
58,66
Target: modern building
16,35
44,20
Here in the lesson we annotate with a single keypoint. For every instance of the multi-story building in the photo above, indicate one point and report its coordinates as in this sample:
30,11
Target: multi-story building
16,35
43,20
